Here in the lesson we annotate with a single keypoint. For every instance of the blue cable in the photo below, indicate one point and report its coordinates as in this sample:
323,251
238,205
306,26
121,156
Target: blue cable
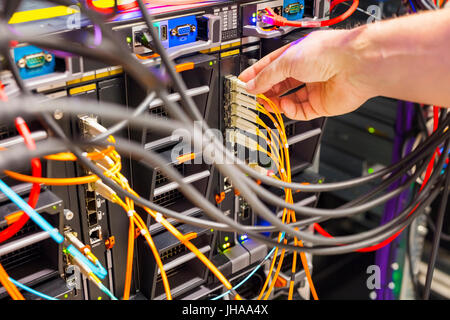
36,217
98,269
37,293
105,290
250,274
412,6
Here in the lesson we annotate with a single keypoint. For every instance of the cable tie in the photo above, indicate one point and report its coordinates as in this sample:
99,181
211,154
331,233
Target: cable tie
130,213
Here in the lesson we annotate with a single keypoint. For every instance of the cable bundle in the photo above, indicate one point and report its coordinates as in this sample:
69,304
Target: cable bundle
291,236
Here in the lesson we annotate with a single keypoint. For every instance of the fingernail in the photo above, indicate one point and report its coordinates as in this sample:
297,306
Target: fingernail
250,85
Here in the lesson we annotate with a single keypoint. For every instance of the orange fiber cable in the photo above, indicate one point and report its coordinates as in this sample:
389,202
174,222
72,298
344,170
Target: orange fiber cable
9,286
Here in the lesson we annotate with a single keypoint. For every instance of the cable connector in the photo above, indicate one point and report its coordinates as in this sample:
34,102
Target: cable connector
91,126
105,191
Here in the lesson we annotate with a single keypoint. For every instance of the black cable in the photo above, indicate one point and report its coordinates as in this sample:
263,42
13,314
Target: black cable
435,139
421,120
24,105
432,225
338,212
143,106
437,236
315,250
320,187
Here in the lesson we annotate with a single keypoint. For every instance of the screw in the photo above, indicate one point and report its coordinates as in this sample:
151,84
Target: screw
21,63
193,28
173,32
422,230
68,214
58,114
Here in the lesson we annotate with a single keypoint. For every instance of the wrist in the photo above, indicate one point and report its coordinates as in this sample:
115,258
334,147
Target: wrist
362,61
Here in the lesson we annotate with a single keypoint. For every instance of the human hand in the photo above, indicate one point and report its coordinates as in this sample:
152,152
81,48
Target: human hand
325,62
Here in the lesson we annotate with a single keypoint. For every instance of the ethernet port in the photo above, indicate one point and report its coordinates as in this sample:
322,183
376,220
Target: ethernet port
92,218
95,235
90,194
91,205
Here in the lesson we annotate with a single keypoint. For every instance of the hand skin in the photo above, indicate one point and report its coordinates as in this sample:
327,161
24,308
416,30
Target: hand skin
406,58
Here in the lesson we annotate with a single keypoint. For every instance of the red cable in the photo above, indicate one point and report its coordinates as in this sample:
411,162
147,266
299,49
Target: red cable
36,169
385,242
276,20
120,7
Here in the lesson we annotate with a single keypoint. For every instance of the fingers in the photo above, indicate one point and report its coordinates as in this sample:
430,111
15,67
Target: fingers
283,87
252,71
269,76
298,106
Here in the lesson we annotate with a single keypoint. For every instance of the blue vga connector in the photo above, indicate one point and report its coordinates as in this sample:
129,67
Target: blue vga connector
182,30
293,9
33,61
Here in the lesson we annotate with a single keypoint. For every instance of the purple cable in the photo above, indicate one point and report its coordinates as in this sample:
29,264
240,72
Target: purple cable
404,120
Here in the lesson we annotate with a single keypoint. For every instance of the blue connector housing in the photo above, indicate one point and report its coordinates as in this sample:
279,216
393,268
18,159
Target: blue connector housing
182,30
293,9
33,61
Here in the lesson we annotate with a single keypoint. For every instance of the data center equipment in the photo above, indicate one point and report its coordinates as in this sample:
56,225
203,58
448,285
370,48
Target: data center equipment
149,212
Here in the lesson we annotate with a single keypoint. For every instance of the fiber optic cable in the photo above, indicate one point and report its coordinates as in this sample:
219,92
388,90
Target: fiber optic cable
267,257
97,268
9,285
37,218
26,288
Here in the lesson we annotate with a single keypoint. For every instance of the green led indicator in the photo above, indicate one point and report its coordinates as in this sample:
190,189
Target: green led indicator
370,170
210,63
371,129
66,296
99,298
129,40
226,238
224,246
320,181
212,230
55,207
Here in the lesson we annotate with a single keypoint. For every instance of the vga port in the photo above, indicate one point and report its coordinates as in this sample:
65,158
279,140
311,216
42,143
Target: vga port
183,30
293,8
34,60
